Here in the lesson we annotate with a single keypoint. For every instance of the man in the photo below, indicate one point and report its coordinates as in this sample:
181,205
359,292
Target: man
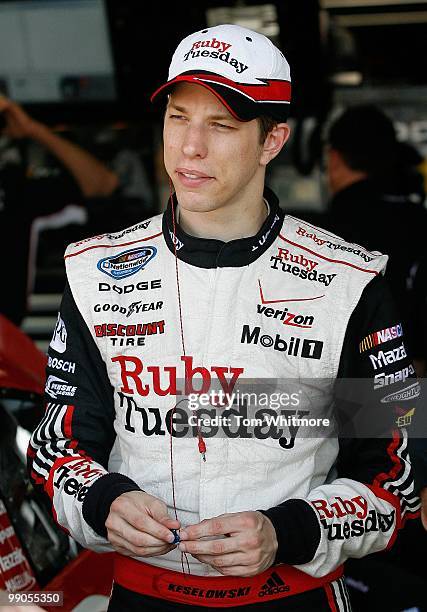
377,200
368,179
222,286
24,197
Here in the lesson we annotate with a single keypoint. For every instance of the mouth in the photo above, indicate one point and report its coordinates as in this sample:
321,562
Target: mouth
192,178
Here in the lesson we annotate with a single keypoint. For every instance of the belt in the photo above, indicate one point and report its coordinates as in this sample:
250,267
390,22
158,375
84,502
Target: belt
217,591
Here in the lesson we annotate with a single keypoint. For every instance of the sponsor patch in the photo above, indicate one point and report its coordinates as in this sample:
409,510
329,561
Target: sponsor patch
382,379
334,246
176,241
57,386
374,522
384,358
61,364
409,393
381,337
304,270
129,335
286,317
273,586
261,241
202,48
59,338
134,308
405,419
127,262
308,349
141,286
116,236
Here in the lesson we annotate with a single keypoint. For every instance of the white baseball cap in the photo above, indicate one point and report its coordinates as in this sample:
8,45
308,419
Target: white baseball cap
242,68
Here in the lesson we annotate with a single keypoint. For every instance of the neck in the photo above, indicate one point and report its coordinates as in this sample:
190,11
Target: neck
345,179
226,223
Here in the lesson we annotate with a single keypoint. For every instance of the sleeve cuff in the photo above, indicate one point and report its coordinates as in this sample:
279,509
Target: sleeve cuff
297,530
100,496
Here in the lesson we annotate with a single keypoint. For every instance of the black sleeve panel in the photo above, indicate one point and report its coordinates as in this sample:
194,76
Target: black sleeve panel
69,450
297,530
374,369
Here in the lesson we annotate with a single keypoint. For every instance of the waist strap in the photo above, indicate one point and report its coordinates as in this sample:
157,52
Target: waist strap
217,591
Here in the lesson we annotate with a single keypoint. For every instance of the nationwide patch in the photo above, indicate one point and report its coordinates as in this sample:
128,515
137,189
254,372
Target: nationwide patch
127,263
380,337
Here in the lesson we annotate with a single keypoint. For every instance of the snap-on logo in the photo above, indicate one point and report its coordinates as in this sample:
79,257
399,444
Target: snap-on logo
127,263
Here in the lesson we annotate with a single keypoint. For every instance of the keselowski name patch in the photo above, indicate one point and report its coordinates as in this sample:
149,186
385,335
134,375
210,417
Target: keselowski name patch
127,262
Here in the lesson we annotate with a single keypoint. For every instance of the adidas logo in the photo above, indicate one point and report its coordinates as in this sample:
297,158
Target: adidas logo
273,586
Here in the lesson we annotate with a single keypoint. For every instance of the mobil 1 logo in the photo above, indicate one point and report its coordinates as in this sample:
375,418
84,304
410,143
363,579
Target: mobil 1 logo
294,347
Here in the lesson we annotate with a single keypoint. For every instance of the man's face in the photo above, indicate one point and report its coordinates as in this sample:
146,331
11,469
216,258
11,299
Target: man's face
212,159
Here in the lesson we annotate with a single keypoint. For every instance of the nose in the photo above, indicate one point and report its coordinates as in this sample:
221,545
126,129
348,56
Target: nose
194,144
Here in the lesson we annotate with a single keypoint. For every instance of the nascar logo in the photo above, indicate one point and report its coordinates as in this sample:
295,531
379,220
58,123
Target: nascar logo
127,263
380,337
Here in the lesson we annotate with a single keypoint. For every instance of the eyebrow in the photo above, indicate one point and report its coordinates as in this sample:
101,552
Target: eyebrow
222,116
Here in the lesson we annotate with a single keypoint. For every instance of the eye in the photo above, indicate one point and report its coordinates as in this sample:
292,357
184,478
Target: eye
222,125
177,117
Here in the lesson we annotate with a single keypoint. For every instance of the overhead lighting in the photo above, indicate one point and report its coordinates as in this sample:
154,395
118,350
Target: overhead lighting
349,78
371,19
261,18
332,4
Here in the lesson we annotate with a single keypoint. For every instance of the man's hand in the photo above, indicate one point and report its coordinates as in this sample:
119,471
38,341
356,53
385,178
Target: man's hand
249,548
138,525
18,123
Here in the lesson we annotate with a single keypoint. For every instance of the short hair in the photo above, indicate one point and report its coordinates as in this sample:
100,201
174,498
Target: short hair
266,124
366,139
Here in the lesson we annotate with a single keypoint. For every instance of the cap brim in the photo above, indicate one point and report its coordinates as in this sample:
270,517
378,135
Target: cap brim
231,95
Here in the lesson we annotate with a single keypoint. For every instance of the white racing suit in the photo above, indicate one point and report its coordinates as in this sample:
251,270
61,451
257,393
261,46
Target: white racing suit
293,302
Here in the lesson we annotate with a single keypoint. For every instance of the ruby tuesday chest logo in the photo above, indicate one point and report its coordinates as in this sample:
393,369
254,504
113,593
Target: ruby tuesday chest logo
127,262
215,49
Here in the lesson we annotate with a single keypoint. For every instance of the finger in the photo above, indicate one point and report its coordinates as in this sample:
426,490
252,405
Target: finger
219,525
155,528
139,551
139,519
136,537
240,570
169,522
227,561
213,547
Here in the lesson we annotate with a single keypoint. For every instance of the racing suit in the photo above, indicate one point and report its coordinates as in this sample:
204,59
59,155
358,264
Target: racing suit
292,302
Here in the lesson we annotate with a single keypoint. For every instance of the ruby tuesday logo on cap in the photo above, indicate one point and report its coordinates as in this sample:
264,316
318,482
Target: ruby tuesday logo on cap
220,52
242,68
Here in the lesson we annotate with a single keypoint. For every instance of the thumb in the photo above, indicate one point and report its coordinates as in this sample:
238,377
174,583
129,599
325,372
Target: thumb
169,522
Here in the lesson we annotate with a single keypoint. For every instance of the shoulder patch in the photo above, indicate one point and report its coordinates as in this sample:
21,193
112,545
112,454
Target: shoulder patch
331,247
128,236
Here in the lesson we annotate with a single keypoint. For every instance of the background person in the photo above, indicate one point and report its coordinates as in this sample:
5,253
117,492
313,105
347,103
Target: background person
377,201
23,197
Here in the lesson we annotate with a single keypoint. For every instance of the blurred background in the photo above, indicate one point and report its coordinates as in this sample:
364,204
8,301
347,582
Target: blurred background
84,70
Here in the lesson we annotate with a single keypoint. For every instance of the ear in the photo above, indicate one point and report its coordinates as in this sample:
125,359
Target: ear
274,142
334,159
334,165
